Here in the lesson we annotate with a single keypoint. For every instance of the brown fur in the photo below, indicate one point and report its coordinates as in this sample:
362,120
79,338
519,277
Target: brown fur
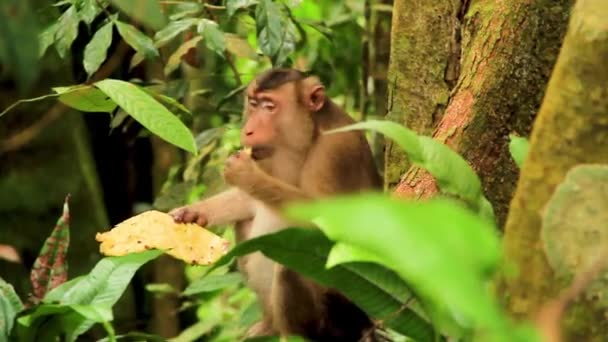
300,163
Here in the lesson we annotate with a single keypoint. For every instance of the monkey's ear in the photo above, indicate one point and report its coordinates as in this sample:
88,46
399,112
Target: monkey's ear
315,98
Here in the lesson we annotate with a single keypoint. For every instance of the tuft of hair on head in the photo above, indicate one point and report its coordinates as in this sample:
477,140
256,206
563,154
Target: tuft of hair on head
276,77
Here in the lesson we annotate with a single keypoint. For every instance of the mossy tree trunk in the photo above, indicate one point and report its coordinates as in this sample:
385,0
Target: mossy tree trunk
571,129
470,73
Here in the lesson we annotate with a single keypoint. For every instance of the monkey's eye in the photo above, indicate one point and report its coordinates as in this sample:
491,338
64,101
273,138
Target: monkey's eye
253,103
267,105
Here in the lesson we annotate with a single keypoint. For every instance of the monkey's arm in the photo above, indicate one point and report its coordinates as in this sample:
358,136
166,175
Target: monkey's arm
226,207
241,171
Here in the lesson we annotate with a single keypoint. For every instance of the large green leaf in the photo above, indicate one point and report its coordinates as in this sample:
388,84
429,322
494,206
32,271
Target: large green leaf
79,304
212,283
85,98
96,50
212,36
453,174
10,306
19,42
107,281
518,147
441,249
50,268
171,31
46,38
268,24
149,112
147,12
66,31
139,41
375,289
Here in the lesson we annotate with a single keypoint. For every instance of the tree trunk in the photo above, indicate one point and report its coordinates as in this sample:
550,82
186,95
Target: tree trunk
479,73
571,129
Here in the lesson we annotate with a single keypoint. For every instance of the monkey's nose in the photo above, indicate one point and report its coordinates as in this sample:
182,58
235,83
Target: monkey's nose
249,133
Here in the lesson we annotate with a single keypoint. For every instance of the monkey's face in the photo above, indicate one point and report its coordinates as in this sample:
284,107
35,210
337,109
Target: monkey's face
274,119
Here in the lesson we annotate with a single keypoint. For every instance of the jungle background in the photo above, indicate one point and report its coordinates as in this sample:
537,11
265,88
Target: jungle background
133,105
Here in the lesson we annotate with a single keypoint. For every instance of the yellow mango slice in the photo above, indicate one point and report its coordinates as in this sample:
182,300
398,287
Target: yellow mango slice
157,230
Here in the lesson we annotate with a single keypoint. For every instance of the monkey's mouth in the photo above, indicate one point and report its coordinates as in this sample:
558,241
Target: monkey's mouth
261,152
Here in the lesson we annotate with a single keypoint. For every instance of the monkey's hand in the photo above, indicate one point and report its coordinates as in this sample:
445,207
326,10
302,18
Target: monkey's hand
241,170
189,214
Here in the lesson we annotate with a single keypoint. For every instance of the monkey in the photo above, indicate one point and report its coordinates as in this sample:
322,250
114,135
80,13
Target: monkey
286,112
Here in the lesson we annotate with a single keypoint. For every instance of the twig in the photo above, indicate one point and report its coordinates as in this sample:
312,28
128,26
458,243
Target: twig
21,138
550,315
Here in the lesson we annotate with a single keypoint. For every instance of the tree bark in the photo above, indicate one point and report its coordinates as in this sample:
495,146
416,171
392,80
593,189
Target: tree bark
471,76
571,129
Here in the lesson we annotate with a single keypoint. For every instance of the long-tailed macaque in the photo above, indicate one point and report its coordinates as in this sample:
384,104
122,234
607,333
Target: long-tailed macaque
285,114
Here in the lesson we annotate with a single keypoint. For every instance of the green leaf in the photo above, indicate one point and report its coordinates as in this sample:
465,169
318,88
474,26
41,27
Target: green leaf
212,283
373,288
174,28
19,42
55,295
107,281
268,25
139,41
453,174
441,249
50,268
239,46
147,12
67,31
95,313
96,50
275,339
148,112
518,147
47,38
10,306
212,36
234,5
161,288
85,99
89,9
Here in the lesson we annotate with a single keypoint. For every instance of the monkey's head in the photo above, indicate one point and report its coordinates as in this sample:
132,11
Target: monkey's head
279,109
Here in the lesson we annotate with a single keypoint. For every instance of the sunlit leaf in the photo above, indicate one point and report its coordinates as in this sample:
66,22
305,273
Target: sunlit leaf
163,288
96,50
147,12
212,36
139,41
174,28
50,268
148,112
85,98
176,57
47,38
453,174
19,42
67,31
212,283
518,147
373,288
89,9
234,5
10,306
444,251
